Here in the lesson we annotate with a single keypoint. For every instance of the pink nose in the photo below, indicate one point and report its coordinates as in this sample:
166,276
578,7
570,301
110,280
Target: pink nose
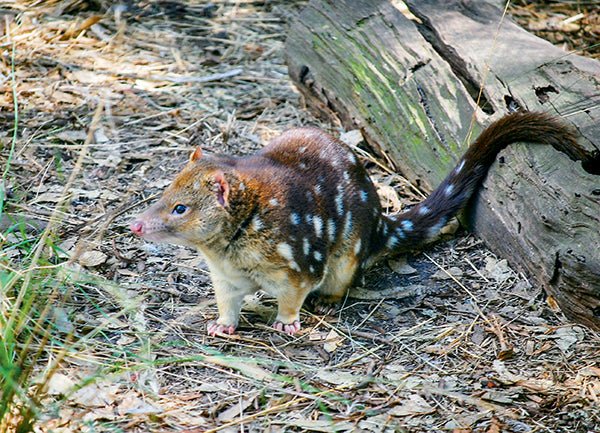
137,227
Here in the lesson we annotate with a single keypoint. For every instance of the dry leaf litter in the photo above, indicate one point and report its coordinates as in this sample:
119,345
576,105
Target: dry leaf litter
459,343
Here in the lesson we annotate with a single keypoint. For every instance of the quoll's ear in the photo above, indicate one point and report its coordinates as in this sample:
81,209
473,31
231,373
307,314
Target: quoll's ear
196,154
222,188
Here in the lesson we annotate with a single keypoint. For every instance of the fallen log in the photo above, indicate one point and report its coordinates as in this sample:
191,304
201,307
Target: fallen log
412,85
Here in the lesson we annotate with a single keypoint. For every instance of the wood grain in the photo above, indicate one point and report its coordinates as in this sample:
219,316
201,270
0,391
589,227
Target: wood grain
412,86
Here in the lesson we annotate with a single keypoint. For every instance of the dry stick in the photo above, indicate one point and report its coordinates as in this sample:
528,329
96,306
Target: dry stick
151,116
346,335
385,168
476,270
462,286
301,397
496,328
249,417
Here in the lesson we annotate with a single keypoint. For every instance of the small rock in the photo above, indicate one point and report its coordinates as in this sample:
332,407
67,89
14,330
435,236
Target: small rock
92,258
352,138
442,274
401,266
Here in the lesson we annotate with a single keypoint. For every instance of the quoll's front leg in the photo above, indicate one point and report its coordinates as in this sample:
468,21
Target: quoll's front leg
229,304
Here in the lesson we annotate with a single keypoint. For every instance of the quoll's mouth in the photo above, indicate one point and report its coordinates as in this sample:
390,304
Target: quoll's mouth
150,230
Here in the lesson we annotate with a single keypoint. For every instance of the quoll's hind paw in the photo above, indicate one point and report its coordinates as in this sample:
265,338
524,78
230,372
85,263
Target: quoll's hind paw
214,328
289,329
325,308
324,305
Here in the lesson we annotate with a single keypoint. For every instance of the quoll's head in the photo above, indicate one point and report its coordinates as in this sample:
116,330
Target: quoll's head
192,209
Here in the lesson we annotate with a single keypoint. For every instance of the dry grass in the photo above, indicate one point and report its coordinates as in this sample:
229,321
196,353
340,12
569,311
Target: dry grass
468,346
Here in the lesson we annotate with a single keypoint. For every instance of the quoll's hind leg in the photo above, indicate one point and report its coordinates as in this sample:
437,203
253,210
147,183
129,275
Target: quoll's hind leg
337,281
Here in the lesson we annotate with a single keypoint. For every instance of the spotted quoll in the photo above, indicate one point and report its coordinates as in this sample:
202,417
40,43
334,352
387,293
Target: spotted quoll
302,215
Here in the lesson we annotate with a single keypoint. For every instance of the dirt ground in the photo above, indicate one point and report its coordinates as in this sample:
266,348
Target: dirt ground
461,342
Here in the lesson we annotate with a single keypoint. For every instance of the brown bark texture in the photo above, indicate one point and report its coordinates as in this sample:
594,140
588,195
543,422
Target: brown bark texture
411,84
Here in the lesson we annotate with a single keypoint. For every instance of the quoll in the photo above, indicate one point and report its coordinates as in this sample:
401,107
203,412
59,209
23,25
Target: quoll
302,215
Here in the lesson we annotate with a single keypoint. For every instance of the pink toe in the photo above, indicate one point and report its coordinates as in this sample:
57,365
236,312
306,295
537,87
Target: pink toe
214,328
290,328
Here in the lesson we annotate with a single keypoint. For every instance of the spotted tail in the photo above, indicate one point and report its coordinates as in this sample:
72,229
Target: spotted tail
424,221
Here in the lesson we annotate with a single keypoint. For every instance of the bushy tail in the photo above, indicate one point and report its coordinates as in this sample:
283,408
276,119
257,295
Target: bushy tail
424,221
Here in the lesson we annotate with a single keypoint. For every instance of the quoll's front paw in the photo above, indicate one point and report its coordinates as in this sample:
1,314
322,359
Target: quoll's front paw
290,328
214,328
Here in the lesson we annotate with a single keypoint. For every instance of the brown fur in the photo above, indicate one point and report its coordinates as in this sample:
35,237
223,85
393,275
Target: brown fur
302,215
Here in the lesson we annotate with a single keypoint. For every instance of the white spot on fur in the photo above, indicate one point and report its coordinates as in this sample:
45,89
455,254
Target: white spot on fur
302,166
364,196
339,200
407,225
318,223
196,185
357,246
302,149
308,218
318,189
294,266
295,218
352,158
400,233
285,251
423,210
318,256
348,225
311,268
242,186
392,242
331,229
274,202
459,167
257,223
305,246
448,190
346,176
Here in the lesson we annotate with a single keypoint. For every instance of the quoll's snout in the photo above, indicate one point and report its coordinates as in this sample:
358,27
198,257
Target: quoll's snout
137,227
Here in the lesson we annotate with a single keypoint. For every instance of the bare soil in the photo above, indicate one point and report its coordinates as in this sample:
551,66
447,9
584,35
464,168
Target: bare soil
459,343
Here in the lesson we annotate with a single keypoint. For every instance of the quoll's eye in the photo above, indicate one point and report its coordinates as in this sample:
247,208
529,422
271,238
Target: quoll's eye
179,209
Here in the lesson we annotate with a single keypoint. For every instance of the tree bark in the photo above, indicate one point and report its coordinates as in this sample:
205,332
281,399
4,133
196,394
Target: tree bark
412,86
